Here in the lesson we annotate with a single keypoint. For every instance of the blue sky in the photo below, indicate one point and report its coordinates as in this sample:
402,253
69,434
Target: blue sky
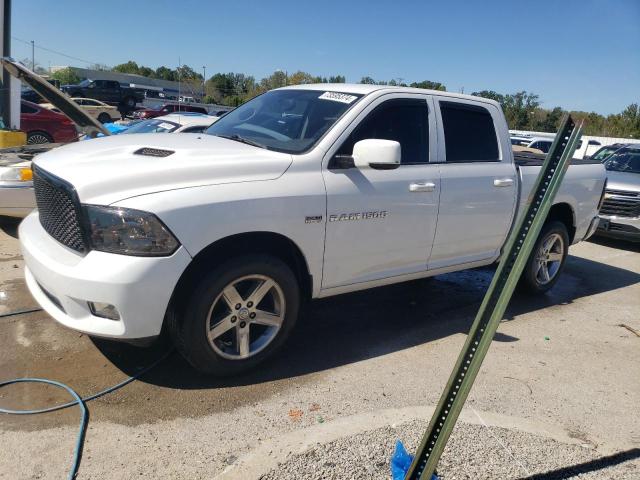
578,54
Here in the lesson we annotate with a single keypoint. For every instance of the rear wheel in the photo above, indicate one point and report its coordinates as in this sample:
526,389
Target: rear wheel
34,138
238,316
547,258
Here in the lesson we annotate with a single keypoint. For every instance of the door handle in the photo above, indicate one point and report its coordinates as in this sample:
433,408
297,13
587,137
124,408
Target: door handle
502,182
422,187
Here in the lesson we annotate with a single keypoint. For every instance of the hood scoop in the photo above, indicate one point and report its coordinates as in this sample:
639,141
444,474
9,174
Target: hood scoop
153,152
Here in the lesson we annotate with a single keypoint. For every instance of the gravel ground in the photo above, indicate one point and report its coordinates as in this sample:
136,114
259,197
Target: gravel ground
473,452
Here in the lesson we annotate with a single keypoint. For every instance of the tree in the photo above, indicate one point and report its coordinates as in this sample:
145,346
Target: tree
490,94
337,79
66,76
165,73
129,67
367,81
300,78
429,85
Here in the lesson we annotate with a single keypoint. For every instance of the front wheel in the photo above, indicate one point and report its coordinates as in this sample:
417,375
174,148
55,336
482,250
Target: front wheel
238,316
547,258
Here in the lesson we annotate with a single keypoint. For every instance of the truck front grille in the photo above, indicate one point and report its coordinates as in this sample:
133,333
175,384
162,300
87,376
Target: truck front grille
59,209
620,203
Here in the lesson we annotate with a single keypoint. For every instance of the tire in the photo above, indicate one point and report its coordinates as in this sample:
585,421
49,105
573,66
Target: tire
222,334
38,137
104,118
130,102
541,275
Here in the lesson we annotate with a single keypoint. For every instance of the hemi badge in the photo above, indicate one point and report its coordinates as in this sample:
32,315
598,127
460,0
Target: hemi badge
314,219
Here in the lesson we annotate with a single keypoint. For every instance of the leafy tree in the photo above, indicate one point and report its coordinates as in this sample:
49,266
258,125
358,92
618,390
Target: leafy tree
429,85
301,77
367,81
165,73
66,76
336,79
490,94
129,67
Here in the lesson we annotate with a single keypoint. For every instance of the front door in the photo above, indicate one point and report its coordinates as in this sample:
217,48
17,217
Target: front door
381,223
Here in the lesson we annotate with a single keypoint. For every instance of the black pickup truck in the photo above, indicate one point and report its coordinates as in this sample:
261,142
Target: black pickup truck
108,91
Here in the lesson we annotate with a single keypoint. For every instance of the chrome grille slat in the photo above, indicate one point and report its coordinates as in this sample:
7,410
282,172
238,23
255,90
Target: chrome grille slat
59,210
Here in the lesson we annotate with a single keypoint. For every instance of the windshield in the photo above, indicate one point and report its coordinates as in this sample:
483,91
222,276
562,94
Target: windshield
84,83
289,121
153,126
603,153
624,161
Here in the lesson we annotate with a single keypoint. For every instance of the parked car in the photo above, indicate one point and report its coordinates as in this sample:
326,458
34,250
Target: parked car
16,187
620,211
165,109
532,144
44,126
303,192
108,91
605,152
184,122
95,108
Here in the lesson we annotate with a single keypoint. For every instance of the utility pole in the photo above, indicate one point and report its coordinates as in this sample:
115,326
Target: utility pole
33,56
204,78
10,87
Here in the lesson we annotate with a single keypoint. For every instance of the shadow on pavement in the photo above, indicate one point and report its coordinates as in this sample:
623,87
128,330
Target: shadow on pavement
574,471
354,327
615,243
9,225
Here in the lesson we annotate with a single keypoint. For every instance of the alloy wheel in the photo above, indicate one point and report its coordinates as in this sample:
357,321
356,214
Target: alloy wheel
549,258
245,317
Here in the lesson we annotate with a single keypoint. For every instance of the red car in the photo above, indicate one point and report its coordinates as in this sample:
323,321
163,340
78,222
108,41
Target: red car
167,109
44,126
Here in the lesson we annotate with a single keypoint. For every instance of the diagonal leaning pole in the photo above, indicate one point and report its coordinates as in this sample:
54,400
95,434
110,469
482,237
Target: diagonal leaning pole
515,254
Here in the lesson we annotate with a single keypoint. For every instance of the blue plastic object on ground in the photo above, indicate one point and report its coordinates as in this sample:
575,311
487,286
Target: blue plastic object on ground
400,463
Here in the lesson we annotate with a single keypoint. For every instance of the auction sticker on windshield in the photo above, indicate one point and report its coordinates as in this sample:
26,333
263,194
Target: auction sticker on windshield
338,97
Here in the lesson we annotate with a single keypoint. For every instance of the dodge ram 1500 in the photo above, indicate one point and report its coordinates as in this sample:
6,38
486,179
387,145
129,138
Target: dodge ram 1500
303,192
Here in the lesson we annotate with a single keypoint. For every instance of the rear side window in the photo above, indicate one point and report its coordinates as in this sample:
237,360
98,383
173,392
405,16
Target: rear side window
404,120
469,133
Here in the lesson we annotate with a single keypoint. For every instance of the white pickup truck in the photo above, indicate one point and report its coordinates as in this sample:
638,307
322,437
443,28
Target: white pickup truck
302,192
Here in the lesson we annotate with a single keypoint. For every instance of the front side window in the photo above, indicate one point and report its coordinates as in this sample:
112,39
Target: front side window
405,121
290,121
469,133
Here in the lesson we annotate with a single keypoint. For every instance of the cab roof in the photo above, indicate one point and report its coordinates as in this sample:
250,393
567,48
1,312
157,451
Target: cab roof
365,89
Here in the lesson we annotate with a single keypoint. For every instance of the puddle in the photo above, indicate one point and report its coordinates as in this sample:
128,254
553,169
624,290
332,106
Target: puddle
14,296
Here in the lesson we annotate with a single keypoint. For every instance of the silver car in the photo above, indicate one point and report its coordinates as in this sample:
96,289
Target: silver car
620,211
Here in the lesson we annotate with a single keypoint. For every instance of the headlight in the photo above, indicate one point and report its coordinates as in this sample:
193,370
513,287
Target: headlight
16,174
129,232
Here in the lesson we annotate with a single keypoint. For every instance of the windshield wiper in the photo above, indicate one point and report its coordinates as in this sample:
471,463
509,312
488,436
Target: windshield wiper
240,139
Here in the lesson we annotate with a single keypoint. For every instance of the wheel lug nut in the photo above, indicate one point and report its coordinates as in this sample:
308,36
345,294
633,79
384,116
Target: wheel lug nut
233,319
252,315
250,304
238,306
243,324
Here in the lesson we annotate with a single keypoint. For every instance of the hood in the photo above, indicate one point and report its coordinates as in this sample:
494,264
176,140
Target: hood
58,99
623,181
107,170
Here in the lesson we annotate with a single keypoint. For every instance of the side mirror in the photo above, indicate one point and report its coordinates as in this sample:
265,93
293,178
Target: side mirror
377,154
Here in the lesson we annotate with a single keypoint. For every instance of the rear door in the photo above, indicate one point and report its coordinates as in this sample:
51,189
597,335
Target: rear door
478,183
380,223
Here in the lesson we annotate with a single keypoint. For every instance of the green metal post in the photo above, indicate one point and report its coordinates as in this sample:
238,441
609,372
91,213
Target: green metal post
515,254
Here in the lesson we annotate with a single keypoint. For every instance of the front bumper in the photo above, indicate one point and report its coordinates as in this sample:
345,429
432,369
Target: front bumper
16,200
625,228
62,281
